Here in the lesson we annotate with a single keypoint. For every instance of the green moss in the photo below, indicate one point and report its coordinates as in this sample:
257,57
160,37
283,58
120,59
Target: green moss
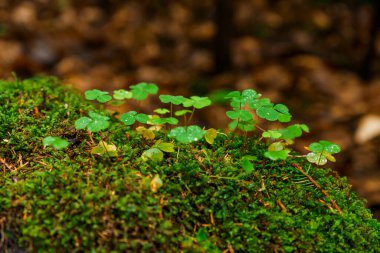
71,201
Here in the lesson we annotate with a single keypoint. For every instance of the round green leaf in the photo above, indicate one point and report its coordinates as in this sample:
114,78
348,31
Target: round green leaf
97,116
249,95
122,94
104,98
176,100
94,94
128,118
142,118
232,114
55,142
316,158
153,154
98,125
273,134
166,147
140,91
267,113
181,112
197,102
82,123
187,135
277,155
161,111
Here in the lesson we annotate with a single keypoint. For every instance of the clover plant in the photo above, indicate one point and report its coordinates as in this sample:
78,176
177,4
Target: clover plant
247,109
141,91
56,142
100,96
95,123
131,117
187,134
321,152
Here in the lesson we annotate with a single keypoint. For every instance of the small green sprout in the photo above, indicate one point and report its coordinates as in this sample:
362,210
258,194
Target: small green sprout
141,91
241,118
122,94
94,123
161,111
100,96
131,117
55,142
155,153
247,164
322,152
187,134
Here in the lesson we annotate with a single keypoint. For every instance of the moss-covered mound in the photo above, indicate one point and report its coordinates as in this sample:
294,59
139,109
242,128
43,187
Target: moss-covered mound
73,201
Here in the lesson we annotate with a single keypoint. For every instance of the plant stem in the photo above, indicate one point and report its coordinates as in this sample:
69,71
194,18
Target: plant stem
191,116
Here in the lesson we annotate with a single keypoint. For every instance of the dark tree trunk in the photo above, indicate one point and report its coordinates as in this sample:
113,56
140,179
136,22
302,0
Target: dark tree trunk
222,41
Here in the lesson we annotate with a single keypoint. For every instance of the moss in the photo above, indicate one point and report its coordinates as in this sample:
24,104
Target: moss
71,201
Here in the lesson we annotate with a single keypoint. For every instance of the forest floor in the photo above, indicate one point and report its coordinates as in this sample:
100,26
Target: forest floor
312,57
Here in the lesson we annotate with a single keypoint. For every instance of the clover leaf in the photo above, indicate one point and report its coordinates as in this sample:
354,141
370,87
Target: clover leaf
161,111
164,146
247,164
95,123
239,99
272,113
122,94
55,142
141,91
197,102
293,131
162,121
181,112
277,155
130,118
210,135
176,100
104,148
146,133
322,152
243,115
153,154
273,134
187,134
100,96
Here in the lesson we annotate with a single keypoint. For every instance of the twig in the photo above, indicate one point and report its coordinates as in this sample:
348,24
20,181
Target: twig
298,167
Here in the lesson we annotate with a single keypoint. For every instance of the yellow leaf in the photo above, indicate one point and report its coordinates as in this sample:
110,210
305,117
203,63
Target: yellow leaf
210,135
146,133
156,183
104,148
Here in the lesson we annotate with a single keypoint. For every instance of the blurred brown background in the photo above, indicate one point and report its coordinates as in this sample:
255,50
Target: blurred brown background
321,58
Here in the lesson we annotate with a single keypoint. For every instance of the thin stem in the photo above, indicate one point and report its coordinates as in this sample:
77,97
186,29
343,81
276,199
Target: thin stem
191,115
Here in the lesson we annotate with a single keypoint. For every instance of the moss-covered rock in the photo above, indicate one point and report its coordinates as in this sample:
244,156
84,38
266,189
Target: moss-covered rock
72,201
